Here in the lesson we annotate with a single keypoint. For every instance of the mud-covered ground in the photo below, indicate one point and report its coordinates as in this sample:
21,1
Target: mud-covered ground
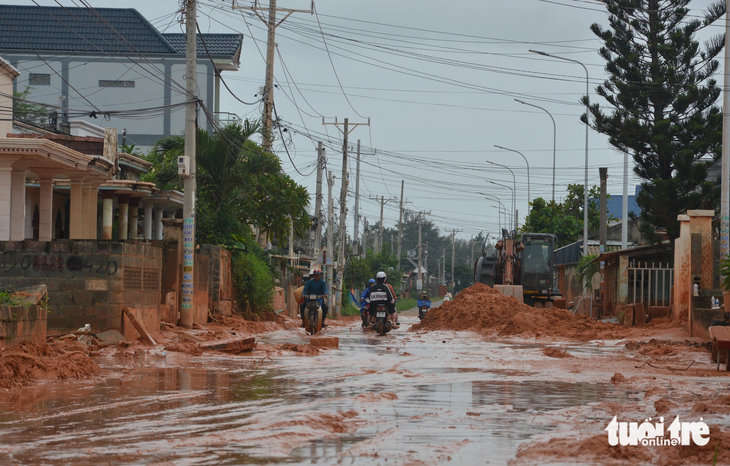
413,397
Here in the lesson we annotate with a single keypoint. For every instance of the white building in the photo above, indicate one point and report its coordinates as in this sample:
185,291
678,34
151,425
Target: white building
93,61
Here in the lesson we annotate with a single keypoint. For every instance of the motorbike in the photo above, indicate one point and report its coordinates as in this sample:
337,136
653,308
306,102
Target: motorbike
313,314
382,324
422,310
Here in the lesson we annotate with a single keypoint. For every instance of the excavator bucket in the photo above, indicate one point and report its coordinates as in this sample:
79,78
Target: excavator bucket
511,290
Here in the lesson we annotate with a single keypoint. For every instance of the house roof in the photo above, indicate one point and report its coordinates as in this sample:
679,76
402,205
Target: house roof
101,30
79,30
220,45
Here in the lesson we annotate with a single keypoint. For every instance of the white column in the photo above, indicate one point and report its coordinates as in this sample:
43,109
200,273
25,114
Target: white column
45,209
107,216
158,222
76,210
133,216
147,221
123,229
17,208
93,211
5,197
85,209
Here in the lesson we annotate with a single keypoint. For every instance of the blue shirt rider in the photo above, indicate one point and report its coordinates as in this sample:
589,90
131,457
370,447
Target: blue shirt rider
315,286
363,302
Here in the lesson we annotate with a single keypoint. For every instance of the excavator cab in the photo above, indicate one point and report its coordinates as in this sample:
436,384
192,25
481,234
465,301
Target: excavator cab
538,269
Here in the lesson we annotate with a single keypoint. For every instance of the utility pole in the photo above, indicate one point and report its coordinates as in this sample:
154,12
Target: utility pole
271,25
189,183
330,235
603,227
365,238
343,211
400,222
382,200
357,201
453,254
420,247
318,199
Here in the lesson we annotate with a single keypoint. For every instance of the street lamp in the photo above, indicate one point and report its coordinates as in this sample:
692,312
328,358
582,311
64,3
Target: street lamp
585,185
529,199
513,198
555,133
506,212
514,191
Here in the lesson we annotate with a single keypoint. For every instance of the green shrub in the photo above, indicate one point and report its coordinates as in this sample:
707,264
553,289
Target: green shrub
405,304
725,274
349,309
254,284
7,298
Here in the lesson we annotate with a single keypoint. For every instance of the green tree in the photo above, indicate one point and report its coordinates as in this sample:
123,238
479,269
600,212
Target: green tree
662,98
564,219
238,184
27,111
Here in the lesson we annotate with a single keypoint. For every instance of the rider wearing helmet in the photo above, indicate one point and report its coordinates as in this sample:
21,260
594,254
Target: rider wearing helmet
315,286
381,293
364,304
396,323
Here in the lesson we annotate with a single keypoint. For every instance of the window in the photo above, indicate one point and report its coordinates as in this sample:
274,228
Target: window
36,79
107,83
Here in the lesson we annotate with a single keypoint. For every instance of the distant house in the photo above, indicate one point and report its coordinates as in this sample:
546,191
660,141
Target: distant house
92,61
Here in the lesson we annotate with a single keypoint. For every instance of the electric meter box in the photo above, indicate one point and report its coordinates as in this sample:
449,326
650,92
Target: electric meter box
183,165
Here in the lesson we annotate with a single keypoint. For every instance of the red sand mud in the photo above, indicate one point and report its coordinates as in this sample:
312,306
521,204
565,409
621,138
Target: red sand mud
28,363
373,397
596,450
482,309
187,347
556,353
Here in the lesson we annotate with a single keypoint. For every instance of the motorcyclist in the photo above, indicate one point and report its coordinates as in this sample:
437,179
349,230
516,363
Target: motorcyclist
395,310
380,293
364,304
315,286
424,301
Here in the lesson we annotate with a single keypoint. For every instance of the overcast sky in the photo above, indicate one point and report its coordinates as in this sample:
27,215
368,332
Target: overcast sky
437,81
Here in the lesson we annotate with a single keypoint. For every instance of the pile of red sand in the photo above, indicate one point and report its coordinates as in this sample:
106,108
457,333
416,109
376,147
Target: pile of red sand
27,363
482,309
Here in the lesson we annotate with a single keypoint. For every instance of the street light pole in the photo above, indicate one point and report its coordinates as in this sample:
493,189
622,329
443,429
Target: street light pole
529,199
514,191
513,197
585,184
506,212
555,135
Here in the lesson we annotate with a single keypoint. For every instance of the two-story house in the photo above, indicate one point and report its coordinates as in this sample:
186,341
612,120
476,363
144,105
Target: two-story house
92,61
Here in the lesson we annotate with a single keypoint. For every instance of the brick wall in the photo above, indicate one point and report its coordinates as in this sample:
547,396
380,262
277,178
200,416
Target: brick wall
22,323
89,281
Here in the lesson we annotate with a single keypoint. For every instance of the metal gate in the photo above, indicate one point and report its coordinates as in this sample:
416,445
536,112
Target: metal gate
650,283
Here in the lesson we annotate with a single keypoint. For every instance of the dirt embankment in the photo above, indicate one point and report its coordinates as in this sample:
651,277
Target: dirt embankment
28,363
482,309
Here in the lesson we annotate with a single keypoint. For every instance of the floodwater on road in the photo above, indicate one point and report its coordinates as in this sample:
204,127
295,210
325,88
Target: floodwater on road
405,398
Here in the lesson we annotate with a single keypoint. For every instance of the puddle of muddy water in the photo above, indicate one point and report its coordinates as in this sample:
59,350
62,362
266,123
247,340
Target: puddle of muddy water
450,399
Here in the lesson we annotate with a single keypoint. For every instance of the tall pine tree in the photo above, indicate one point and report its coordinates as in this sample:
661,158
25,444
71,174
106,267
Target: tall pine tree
663,98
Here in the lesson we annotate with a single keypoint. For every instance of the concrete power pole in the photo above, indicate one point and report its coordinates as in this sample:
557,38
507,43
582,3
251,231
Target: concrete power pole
453,255
330,235
189,183
341,258
725,167
400,223
357,202
318,199
271,25
419,283
603,227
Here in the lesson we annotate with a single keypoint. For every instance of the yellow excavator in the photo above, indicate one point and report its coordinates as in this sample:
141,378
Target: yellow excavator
521,268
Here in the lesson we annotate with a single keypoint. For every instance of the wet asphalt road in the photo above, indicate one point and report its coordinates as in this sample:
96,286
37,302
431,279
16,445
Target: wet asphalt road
405,398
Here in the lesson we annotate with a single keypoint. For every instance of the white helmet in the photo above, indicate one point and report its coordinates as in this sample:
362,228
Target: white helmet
381,275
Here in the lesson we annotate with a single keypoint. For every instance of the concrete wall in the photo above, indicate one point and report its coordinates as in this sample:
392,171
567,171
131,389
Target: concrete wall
89,282
22,323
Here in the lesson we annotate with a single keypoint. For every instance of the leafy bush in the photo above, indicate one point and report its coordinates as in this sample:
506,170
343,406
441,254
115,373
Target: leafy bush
586,269
725,274
254,284
405,304
7,298
348,309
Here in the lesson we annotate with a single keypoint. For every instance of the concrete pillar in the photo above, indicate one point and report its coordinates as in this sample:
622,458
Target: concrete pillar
682,270
148,221
123,229
700,222
623,281
76,229
107,214
93,211
17,207
45,209
158,222
6,173
133,216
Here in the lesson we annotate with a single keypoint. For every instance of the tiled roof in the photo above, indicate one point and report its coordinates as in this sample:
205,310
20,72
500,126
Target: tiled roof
61,29
226,45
